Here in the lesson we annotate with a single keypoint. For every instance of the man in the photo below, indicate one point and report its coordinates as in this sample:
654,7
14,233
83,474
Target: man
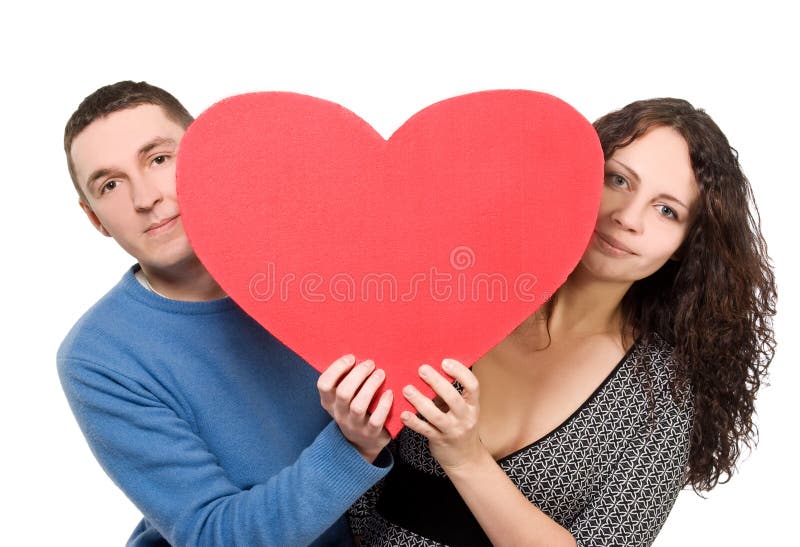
209,424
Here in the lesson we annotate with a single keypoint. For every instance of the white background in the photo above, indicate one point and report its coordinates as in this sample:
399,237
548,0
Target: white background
385,61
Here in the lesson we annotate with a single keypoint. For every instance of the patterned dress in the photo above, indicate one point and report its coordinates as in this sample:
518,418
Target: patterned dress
609,474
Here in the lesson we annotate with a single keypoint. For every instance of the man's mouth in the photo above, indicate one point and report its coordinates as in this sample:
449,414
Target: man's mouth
161,225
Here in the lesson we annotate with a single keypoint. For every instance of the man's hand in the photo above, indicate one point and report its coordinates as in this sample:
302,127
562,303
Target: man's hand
346,391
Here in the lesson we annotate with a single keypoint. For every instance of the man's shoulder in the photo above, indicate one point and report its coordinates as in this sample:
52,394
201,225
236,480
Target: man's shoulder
107,307
135,332
88,334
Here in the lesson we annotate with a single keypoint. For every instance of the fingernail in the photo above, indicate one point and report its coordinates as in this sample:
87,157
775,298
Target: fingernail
447,364
350,359
408,391
378,374
405,415
388,394
424,370
369,364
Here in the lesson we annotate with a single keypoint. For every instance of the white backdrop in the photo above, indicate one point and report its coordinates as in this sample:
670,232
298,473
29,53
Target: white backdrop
384,61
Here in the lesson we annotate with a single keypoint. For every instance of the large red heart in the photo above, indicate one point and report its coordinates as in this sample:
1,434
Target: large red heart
436,243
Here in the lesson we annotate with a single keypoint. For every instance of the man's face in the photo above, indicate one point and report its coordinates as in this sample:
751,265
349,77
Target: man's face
125,166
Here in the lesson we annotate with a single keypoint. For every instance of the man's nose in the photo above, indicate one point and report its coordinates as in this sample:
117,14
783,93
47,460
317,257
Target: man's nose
146,193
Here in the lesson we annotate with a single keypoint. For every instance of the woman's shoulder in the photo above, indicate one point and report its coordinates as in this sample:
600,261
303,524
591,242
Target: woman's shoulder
655,356
658,351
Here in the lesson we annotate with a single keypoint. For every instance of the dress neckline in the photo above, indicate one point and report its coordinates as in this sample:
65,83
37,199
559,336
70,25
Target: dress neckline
577,411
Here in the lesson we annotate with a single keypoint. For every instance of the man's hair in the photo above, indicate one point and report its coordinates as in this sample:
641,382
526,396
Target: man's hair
112,98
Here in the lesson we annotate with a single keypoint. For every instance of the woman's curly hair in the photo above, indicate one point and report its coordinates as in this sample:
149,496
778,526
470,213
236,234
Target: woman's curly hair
715,305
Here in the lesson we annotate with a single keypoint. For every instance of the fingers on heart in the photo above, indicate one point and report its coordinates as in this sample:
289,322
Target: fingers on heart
378,417
331,377
348,387
363,398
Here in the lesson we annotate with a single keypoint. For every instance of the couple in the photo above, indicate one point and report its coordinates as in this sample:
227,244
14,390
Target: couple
637,378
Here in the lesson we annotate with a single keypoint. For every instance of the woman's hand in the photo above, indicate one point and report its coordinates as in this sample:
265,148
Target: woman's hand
504,513
452,432
346,392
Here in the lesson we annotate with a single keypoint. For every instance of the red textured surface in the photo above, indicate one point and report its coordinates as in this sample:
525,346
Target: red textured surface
301,211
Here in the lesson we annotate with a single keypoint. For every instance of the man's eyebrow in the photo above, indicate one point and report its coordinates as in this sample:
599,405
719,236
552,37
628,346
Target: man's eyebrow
143,151
96,175
158,141
635,176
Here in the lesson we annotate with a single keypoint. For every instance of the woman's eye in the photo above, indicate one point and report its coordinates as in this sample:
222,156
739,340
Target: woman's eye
159,160
667,212
108,186
617,180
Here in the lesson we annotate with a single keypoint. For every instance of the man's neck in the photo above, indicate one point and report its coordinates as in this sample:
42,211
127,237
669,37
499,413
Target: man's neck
188,281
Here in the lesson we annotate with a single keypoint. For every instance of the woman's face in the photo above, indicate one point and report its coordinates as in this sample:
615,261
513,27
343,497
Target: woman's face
649,199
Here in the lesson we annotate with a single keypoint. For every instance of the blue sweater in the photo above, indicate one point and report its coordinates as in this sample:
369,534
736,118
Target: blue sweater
211,426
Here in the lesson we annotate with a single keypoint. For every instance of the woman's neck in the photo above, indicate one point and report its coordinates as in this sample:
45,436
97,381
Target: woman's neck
587,306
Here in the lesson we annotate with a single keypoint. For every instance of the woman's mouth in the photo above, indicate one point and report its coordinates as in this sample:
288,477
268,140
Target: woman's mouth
611,246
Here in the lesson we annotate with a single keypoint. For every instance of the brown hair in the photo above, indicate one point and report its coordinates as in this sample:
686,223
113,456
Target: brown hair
115,97
715,305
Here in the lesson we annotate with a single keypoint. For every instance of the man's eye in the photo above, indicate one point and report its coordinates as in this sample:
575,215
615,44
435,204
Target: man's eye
108,186
160,160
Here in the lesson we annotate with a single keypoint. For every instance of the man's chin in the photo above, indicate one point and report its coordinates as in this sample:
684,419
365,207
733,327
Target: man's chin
175,264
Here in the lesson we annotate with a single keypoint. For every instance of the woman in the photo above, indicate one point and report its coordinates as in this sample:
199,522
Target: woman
636,379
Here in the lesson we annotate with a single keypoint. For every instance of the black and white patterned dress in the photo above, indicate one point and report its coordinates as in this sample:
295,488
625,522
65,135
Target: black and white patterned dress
609,474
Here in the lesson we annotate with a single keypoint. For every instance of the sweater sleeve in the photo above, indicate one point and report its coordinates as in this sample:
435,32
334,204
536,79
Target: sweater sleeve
636,496
166,469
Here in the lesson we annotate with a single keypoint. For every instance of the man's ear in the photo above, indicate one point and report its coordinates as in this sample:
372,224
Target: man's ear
93,218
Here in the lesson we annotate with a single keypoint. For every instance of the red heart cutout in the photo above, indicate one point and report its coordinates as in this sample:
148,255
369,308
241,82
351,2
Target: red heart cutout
436,243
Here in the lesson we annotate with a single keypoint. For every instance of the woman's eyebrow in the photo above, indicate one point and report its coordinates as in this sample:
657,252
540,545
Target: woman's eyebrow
635,176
